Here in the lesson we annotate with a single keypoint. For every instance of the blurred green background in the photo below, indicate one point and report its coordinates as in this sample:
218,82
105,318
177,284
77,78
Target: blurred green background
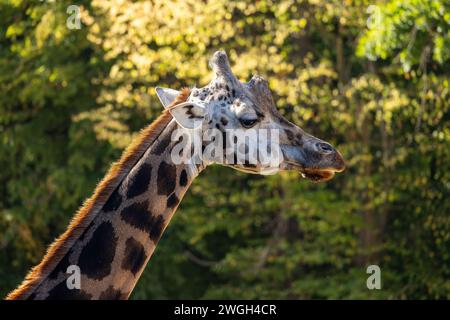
370,77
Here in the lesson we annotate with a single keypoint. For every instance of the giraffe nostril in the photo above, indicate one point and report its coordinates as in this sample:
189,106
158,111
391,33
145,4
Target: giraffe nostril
324,147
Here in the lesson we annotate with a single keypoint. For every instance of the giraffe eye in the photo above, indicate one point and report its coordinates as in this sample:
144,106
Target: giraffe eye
248,122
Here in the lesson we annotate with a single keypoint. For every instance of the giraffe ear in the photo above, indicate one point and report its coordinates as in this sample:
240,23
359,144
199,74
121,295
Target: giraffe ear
166,95
189,115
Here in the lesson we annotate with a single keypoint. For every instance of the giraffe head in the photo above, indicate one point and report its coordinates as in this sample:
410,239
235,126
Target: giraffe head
240,127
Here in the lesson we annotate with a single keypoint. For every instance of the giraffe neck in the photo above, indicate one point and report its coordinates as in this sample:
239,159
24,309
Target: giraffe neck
114,248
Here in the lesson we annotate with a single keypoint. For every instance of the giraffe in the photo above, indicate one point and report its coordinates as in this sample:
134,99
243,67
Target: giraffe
113,235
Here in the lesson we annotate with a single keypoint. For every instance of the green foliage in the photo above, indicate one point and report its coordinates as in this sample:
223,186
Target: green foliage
73,99
413,28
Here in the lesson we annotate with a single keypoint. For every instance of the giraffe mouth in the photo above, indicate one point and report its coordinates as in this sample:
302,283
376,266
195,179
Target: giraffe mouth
317,175
312,174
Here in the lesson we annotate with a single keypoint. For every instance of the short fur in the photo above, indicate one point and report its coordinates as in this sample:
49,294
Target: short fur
93,205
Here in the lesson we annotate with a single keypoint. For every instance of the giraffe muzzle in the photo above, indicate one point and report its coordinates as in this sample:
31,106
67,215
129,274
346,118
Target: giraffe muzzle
316,160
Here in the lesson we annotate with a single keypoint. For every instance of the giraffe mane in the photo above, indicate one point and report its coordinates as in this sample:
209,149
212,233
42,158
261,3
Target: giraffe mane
90,208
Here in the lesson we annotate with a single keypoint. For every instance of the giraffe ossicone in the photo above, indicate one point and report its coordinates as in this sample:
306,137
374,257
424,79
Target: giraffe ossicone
115,232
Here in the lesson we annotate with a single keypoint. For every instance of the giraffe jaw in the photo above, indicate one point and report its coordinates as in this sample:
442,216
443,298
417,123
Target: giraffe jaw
265,171
317,175
312,174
